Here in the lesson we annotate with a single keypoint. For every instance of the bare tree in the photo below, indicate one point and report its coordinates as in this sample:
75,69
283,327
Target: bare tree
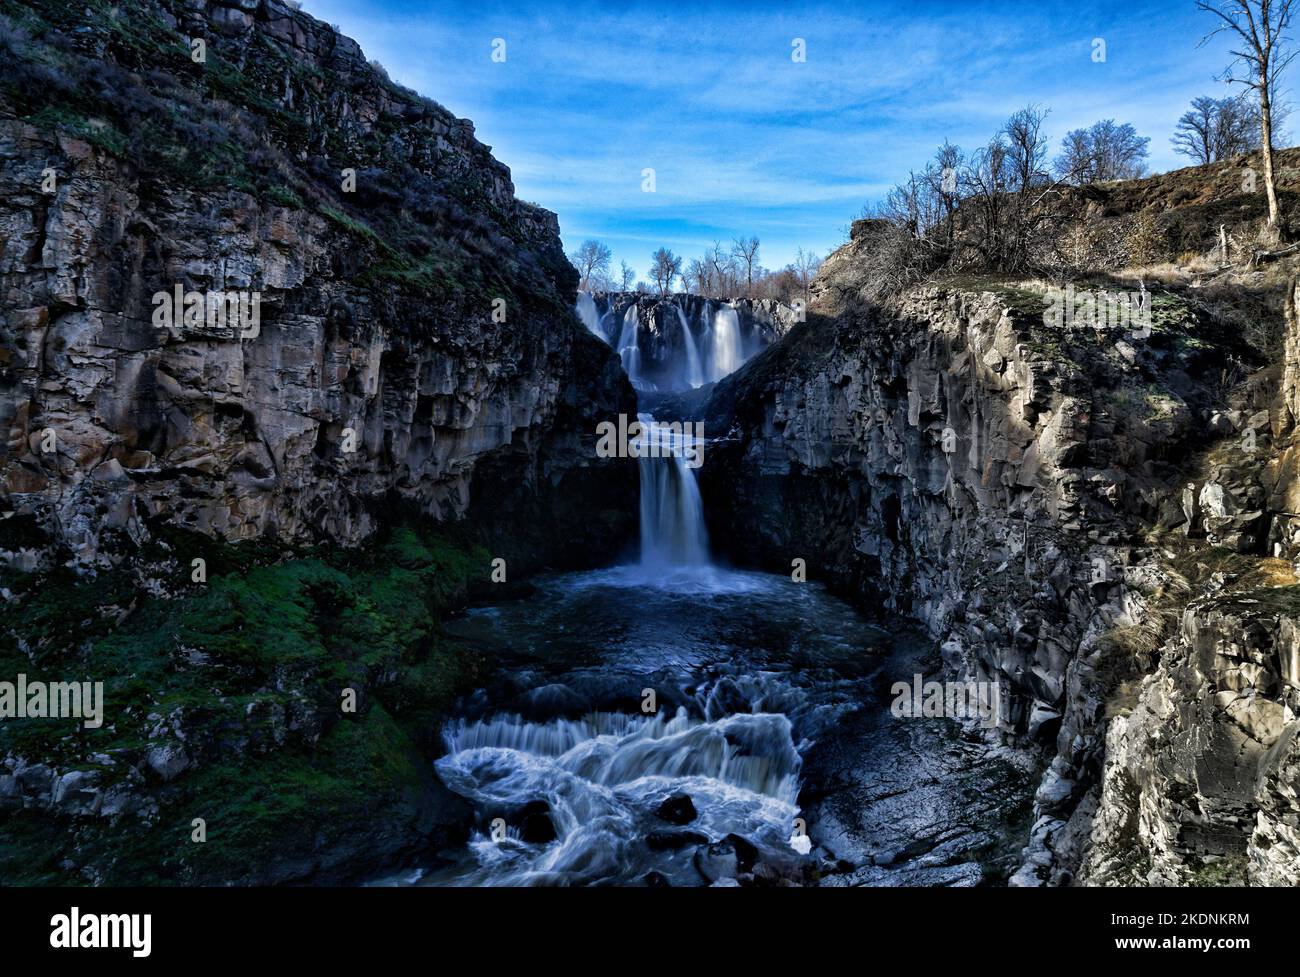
1260,26
1004,186
592,261
944,186
745,251
626,275
1103,151
1076,151
665,267
1194,136
1237,127
717,260
1219,128
805,267
1026,148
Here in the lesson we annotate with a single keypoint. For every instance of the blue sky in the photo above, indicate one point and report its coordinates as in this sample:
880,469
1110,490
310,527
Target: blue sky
742,139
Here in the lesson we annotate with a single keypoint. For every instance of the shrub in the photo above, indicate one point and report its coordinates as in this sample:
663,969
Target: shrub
1145,241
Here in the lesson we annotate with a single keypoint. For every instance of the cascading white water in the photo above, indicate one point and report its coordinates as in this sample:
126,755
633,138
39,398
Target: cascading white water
629,350
586,308
726,342
711,346
694,374
672,512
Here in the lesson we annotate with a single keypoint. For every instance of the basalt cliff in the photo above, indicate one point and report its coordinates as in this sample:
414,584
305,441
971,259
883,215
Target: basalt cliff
415,326
1096,515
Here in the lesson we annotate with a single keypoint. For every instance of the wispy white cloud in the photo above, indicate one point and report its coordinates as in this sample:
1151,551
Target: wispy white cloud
743,139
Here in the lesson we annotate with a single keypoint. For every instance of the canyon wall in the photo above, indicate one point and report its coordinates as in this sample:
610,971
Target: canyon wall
1202,774
385,372
1016,485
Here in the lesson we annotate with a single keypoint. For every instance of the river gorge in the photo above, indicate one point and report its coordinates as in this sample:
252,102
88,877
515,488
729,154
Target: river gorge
676,722
941,579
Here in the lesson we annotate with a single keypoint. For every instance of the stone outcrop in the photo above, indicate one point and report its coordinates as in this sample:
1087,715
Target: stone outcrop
1201,779
415,360
358,393
956,457
1201,775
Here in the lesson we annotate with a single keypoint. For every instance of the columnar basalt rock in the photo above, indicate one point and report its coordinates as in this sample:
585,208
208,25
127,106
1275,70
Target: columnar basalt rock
357,392
415,355
1201,783
954,457
1201,780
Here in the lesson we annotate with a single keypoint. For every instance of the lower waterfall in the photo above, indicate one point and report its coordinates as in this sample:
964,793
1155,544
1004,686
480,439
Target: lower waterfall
654,724
672,512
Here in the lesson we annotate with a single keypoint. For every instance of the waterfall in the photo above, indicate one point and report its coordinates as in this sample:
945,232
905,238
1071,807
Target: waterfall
672,513
586,309
709,351
694,375
628,349
726,342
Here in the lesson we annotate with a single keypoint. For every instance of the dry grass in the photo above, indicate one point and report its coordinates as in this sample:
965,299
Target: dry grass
1186,269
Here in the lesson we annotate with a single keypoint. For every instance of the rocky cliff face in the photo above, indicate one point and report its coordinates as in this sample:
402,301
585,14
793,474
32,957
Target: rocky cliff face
1011,482
1201,783
1201,775
414,323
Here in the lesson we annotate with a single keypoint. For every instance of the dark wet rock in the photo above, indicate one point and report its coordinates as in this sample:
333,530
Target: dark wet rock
910,802
726,699
535,824
656,880
668,840
678,809
553,699
717,861
746,851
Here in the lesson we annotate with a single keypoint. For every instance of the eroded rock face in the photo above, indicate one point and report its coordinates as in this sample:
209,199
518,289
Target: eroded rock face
954,459
1201,782
355,395
1201,776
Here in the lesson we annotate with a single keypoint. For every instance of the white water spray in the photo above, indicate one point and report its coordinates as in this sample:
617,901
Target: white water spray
629,351
672,513
586,308
726,342
694,373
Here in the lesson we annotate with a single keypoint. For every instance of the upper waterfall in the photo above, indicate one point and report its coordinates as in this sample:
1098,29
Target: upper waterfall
680,342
